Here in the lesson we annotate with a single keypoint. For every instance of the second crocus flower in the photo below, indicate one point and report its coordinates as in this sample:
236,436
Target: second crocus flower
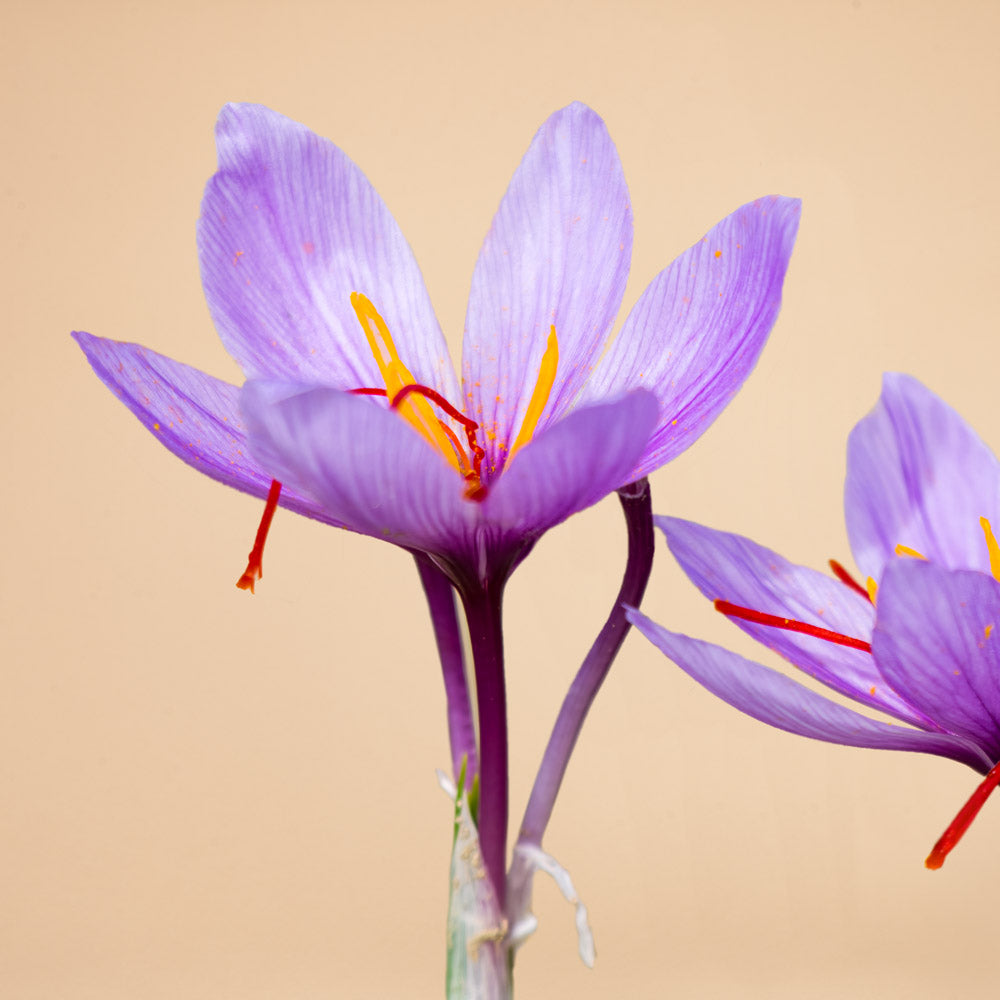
914,638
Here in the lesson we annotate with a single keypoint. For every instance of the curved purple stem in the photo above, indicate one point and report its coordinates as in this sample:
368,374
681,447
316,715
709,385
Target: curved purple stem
461,728
482,612
638,509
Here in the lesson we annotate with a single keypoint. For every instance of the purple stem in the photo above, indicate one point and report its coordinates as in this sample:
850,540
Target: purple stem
461,729
482,611
638,509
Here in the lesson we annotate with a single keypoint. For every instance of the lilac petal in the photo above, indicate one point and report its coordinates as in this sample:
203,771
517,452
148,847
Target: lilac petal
289,228
696,332
920,476
365,465
738,570
191,413
936,641
779,701
572,465
558,252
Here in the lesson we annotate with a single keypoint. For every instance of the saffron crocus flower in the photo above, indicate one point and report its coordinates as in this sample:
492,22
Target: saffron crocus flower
917,641
353,414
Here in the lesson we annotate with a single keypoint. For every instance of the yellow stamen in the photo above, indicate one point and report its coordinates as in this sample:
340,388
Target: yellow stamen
414,409
872,587
905,550
994,548
540,395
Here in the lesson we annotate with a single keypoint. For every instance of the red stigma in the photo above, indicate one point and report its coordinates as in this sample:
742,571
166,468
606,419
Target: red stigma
845,578
791,625
963,820
255,568
475,490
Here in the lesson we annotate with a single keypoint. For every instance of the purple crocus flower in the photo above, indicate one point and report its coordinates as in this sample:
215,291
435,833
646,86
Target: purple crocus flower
917,642
353,414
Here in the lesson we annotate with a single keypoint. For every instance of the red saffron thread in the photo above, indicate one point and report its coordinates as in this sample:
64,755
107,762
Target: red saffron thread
476,490
844,577
791,625
950,838
255,567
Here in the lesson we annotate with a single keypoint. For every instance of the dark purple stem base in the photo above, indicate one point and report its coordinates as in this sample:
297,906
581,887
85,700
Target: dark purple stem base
482,611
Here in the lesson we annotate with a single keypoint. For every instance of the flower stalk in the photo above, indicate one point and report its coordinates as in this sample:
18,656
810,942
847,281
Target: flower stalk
637,507
461,727
482,611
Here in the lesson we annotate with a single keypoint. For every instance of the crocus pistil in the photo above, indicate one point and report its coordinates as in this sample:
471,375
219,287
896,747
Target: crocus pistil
963,820
791,625
255,561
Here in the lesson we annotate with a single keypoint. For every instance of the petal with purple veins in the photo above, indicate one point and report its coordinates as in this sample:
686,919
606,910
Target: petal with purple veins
558,252
289,228
368,468
572,465
779,701
918,475
937,641
735,569
192,414
696,332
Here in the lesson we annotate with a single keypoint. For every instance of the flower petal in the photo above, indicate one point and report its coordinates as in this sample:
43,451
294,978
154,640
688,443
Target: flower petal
364,464
937,642
558,252
779,701
736,569
696,332
289,228
572,465
920,476
191,413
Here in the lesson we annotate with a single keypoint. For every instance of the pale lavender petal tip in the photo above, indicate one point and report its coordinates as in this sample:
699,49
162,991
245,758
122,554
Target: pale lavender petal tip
918,475
696,332
557,253
289,228
192,414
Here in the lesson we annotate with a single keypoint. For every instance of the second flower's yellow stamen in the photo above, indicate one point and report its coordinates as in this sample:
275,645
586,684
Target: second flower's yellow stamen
540,395
992,546
413,408
901,550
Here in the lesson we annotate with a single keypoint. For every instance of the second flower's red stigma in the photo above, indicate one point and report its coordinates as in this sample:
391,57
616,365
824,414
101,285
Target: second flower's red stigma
845,578
791,625
963,820
255,566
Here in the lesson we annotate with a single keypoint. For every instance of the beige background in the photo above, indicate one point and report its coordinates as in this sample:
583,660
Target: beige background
216,797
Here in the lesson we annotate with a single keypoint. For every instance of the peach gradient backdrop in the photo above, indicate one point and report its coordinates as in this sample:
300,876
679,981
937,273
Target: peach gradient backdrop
213,796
